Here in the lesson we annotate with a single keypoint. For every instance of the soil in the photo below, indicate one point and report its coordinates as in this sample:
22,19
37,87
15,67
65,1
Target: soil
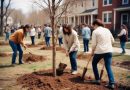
43,80
33,58
125,64
50,48
31,46
4,43
5,54
41,43
82,56
46,48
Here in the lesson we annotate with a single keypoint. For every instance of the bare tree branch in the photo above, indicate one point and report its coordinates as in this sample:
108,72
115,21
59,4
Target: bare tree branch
6,9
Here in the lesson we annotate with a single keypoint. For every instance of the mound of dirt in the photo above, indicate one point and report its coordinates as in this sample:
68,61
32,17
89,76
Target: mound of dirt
33,58
41,43
83,56
5,54
31,46
43,80
60,49
46,48
125,64
4,43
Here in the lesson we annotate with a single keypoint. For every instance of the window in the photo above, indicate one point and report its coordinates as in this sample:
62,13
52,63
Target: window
107,17
93,2
125,2
124,18
107,2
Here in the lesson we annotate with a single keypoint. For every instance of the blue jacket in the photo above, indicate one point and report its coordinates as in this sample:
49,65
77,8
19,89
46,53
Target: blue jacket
86,33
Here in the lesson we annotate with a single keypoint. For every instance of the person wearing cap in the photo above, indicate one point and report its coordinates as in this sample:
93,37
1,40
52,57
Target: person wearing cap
15,42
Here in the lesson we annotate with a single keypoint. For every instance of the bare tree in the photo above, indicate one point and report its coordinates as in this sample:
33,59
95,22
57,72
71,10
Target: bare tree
53,6
4,9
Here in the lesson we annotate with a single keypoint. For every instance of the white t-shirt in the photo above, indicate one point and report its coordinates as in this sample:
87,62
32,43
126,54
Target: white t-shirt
32,32
102,40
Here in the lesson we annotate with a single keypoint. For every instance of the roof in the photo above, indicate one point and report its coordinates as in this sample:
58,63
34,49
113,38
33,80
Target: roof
89,10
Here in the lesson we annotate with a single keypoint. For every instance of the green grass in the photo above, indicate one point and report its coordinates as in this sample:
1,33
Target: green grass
117,44
5,48
119,57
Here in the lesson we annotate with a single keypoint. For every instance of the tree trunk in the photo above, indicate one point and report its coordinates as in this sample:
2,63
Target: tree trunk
53,38
1,19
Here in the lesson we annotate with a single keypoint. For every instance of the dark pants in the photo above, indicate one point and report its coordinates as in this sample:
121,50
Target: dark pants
123,46
7,36
39,35
33,40
60,41
108,60
15,48
73,61
47,39
86,42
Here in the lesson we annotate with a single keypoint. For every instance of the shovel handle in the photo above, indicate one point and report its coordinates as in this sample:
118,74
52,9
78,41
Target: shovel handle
102,71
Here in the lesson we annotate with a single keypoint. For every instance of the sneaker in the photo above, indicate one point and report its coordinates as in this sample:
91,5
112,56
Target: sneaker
97,82
74,72
112,86
21,63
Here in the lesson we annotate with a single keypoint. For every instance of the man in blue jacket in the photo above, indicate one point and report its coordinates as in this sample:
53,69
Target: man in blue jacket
86,33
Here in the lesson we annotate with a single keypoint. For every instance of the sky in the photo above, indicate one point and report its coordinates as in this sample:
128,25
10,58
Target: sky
24,5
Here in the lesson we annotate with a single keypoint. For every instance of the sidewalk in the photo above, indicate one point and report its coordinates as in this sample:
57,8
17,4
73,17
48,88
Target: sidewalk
115,50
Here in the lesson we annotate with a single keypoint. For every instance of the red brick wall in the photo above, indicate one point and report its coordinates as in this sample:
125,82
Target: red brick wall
101,9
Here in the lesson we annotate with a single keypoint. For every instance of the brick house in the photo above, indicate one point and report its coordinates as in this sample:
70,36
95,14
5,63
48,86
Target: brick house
114,13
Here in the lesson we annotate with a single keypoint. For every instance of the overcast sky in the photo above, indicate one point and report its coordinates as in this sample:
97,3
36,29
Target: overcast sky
24,5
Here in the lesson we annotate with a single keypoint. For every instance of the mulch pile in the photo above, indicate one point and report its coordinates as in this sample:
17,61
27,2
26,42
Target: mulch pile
43,80
4,43
33,58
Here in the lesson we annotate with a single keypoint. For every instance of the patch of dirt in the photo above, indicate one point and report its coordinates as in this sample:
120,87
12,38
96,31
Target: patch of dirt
46,48
43,80
41,43
31,46
5,54
82,56
60,49
33,58
125,64
4,43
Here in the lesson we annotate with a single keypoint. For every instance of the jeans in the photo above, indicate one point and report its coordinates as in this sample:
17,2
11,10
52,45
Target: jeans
86,42
39,35
72,56
107,60
15,48
123,46
33,40
60,41
7,36
47,39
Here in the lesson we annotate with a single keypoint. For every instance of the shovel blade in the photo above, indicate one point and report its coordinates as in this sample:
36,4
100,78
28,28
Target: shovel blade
84,72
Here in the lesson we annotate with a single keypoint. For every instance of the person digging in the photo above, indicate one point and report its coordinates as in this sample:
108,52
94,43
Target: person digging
15,42
102,40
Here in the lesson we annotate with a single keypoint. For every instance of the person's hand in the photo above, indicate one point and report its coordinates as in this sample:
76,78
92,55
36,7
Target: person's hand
25,47
67,53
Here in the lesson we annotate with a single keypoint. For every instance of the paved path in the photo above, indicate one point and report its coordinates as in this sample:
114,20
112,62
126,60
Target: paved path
116,50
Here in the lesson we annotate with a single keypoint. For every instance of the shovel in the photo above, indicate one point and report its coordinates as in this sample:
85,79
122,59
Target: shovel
101,74
85,69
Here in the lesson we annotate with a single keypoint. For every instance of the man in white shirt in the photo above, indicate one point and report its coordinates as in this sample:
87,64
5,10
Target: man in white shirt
32,35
